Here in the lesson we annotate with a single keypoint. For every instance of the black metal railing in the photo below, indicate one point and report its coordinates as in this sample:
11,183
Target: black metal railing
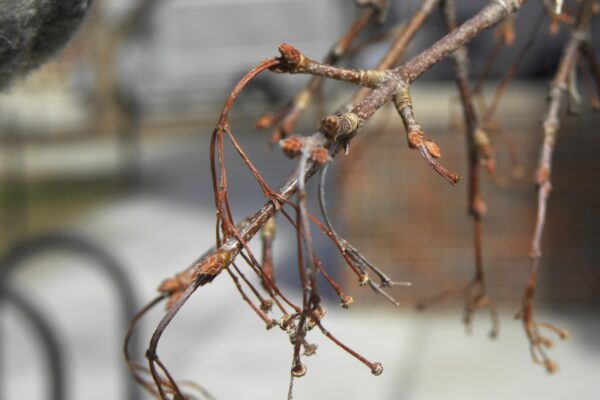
16,258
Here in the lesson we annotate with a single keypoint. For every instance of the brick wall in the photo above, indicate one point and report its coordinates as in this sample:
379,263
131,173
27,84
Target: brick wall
411,222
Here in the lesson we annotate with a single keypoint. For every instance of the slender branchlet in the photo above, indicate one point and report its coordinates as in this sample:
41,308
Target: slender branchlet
259,310
352,255
478,154
292,61
490,111
580,34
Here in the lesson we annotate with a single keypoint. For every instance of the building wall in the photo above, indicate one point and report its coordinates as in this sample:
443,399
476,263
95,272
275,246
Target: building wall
413,224
196,50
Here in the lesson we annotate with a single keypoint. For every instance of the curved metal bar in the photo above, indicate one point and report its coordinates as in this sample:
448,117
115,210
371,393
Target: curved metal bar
75,243
54,361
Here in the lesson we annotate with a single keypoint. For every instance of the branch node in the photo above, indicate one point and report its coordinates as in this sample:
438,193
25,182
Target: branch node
286,323
341,124
433,149
479,208
316,317
291,57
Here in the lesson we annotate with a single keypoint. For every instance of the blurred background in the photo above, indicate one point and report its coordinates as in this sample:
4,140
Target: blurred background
105,191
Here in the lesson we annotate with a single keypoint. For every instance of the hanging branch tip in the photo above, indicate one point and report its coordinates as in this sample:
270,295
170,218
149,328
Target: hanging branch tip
377,369
346,301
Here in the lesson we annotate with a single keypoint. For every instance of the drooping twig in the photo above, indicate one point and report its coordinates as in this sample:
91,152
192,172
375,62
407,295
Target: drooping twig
538,342
353,254
478,152
134,367
490,111
504,36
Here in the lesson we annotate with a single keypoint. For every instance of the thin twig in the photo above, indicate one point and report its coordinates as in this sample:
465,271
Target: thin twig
550,125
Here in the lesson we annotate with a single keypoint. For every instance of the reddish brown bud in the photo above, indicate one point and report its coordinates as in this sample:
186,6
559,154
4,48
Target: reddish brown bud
508,36
542,175
177,284
547,343
291,146
331,124
320,156
169,286
433,149
551,367
414,138
290,54
479,206
506,32
265,121
490,166
486,152
563,334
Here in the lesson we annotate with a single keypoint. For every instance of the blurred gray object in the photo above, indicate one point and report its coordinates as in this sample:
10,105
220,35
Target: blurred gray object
198,49
33,30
